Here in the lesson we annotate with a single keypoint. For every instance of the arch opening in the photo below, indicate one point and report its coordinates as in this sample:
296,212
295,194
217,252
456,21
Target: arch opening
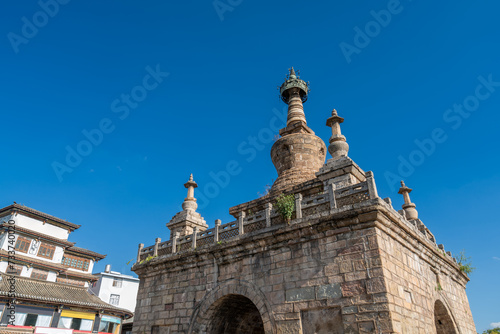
442,319
234,314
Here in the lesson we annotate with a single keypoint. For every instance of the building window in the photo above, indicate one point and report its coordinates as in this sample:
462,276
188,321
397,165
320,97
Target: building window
117,282
29,319
23,244
114,299
70,281
75,323
75,262
14,269
107,326
46,251
39,274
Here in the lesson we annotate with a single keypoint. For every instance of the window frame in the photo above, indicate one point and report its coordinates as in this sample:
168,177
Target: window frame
114,297
75,262
117,282
19,269
41,274
26,246
48,248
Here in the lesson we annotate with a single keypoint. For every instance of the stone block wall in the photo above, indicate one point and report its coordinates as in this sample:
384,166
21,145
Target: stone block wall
356,269
425,288
312,278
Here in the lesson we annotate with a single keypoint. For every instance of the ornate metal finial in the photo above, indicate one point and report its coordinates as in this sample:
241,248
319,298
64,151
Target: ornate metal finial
408,206
338,146
294,92
293,83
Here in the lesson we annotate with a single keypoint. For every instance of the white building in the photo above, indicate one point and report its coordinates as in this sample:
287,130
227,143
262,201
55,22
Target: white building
44,277
41,247
116,289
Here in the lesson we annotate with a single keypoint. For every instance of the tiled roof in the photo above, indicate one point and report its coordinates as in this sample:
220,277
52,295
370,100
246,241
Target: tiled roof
40,235
22,208
16,330
86,251
55,293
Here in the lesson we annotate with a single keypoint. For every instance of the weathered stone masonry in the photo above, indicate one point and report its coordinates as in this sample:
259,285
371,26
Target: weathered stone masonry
347,262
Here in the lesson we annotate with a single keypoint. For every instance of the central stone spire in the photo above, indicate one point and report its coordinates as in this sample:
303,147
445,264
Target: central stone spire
294,92
299,153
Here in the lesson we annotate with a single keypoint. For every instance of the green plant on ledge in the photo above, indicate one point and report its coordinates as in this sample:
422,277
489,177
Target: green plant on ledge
465,263
438,287
149,258
285,206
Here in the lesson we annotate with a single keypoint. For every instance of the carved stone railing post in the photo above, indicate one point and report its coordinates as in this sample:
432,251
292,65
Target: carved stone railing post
241,219
174,242
155,248
331,195
269,208
298,205
216,232
194,236
141,246
372,188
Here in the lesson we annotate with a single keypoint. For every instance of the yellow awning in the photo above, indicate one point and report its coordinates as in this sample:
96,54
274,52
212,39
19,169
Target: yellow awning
81,315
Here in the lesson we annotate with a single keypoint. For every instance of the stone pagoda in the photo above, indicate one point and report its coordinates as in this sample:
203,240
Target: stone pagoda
346,262
299,153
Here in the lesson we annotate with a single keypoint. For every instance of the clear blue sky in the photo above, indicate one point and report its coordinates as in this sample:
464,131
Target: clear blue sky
74,70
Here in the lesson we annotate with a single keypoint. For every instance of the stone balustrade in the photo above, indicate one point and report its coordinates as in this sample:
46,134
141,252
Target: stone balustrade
419,227
252,222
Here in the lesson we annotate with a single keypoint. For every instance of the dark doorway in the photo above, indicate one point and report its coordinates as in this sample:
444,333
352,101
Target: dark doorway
442,318
235,314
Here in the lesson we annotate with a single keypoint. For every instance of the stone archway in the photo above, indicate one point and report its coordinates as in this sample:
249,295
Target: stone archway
443,319
233,307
